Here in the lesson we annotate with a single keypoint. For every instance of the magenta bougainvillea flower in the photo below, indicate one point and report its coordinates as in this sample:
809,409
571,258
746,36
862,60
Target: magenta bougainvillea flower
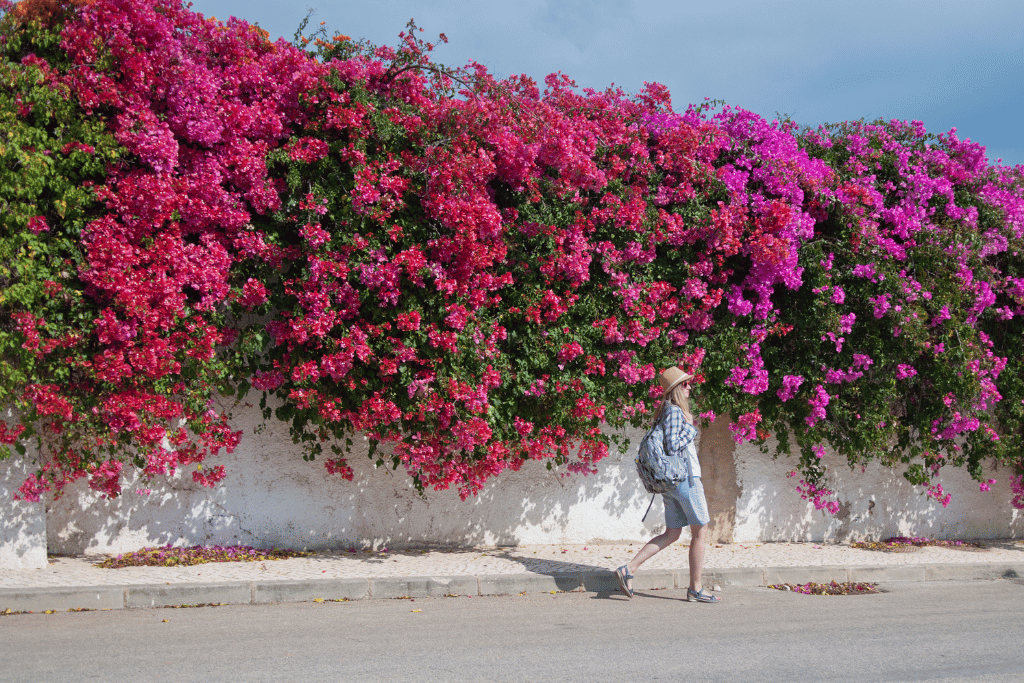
474,272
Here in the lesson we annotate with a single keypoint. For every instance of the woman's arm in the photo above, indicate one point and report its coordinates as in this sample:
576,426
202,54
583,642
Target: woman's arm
678,432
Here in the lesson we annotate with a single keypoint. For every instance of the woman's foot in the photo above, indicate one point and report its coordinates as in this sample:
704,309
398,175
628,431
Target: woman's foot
701,595
625,580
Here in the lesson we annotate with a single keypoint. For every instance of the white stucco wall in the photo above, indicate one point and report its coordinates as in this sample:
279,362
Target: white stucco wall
875,503
22,524
272,497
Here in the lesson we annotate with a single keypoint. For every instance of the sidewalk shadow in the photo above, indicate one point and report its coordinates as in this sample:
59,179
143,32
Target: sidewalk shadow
552,567
558,566
1002,544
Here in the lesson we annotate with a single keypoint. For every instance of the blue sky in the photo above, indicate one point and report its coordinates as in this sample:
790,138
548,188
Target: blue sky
949,64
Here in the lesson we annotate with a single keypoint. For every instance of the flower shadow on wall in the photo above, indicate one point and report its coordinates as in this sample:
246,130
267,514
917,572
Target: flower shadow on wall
271,497
873,504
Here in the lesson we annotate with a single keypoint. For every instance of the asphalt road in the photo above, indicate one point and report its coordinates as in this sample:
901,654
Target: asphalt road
936,631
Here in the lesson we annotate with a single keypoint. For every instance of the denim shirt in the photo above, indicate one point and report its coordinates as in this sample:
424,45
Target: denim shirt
679,436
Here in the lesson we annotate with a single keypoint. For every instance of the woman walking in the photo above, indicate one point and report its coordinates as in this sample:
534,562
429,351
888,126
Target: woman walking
685,505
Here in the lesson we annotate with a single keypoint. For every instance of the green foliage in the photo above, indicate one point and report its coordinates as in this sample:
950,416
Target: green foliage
51,156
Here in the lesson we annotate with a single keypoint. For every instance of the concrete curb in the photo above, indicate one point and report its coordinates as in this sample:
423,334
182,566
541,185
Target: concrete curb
268,592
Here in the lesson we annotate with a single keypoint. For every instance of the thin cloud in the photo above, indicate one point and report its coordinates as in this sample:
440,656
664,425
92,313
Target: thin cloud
943,62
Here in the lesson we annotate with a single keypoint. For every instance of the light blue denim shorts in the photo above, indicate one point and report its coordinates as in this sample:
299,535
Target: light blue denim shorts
685,506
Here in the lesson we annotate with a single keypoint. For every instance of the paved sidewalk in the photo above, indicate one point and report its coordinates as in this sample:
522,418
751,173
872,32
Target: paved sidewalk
72,583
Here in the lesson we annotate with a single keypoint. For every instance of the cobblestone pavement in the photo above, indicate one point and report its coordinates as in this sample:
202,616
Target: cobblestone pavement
536,560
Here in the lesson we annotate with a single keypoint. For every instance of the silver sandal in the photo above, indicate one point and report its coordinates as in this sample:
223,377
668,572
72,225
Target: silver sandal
622,573
701,596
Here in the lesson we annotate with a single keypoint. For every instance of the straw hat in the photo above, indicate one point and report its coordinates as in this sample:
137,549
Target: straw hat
670,377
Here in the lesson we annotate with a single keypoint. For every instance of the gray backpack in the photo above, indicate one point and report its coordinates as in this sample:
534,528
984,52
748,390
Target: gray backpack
658,471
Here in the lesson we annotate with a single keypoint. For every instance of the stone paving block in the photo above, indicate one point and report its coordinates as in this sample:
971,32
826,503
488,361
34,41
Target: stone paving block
61,599
601,582
777,575
187,594
731,577
883,574
965,572
463,585
307,591
513,584
655,579
422,587
607,582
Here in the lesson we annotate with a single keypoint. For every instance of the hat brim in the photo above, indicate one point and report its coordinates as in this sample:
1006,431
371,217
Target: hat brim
684,378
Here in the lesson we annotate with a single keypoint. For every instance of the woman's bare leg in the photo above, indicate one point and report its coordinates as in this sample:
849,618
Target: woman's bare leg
652,548
697,537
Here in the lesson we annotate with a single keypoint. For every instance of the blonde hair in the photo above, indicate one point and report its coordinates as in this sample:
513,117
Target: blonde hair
678,396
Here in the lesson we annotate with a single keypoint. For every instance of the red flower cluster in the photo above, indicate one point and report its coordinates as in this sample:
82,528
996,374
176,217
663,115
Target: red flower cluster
478,272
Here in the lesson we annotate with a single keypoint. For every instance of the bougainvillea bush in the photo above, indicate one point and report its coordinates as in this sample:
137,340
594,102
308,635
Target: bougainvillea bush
475,272
906,327
133,164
